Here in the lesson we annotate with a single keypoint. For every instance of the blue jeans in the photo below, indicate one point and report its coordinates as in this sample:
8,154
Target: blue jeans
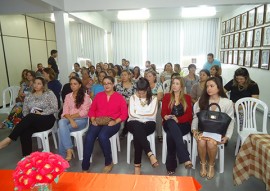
175,143
64,130
103,133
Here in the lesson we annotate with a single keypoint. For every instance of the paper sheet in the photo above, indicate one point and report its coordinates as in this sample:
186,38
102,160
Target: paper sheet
214,136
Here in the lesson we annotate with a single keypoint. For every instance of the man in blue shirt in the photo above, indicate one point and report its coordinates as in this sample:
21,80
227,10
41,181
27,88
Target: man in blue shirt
210,62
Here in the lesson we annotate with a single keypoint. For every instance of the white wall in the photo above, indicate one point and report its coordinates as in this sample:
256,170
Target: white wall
262,77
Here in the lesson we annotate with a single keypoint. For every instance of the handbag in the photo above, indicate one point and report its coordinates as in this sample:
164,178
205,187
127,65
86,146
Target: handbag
213,121
103,120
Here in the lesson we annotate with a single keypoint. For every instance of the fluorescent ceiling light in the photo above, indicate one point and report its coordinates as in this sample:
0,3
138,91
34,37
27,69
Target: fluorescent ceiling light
202,11
53,19
141,14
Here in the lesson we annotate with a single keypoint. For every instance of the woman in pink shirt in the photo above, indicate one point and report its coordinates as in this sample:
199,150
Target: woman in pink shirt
74,116
112,108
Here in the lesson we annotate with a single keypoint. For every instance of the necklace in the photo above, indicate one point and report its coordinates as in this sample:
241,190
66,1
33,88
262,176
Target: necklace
143,103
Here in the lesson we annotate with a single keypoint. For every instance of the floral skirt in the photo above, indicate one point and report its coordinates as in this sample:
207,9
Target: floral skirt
15,116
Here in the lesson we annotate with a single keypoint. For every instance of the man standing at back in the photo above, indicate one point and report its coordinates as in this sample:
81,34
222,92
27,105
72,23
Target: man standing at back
211,62
52,63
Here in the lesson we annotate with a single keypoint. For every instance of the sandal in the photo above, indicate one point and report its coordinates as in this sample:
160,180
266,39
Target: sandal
211,171
137,169
188,165
170,173
153,160
203,171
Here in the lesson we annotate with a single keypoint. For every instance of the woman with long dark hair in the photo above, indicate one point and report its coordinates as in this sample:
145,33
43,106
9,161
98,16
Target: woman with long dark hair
74,116
177,116
142,122
212,93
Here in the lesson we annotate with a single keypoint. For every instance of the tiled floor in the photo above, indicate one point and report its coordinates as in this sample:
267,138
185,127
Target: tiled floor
222,182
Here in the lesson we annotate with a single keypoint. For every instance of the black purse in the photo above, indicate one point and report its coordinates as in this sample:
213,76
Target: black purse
213,121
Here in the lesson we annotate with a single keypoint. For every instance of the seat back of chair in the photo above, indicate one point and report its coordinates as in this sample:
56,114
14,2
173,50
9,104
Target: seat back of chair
15,90
166,86
8,97
248,107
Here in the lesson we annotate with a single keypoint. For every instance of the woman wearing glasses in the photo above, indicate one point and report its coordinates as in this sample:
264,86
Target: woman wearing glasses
107,111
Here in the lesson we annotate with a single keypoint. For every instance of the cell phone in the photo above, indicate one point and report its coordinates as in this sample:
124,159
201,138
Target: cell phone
170,116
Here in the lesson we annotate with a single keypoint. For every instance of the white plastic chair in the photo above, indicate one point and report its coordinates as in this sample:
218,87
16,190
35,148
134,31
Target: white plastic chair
150,138
220,153
249,109
166,86
114,146
186,138
78,140
43,140
11,93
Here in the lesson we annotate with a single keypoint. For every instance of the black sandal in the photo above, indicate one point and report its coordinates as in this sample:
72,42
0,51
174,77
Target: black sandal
170,173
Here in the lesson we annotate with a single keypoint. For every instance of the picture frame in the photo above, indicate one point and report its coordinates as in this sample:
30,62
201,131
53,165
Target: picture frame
223,30
222,42
259,15
230,57
267,14
251,18
225,57
244,20
265,59
221,56
242,39
241,57
226,45
235,57
255,58
237,23
248,58
231,41
249,38
257,37
236,40
266,36
228,26
232,24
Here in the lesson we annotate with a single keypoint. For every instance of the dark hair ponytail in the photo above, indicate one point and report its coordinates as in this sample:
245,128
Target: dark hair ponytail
143,85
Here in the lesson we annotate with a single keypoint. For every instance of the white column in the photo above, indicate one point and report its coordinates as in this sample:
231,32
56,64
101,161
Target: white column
63,45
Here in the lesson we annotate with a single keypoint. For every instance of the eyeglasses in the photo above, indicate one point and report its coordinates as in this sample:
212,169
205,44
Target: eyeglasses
107,84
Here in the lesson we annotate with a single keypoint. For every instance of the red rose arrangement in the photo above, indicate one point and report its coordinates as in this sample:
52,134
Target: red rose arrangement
38,167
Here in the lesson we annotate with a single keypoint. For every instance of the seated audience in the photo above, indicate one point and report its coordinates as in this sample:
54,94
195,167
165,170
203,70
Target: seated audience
107,111
214,71
77,69
136,74
38,111
87,80
177,116
167,73
191,78
39,71
98,87
196,90
213,93
74,116
167,84
141,122
211,62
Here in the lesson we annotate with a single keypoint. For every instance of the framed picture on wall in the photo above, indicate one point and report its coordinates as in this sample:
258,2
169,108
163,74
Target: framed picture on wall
244,21
222,42
249,40
232,24
267,14
225,57
242,39
257,37
266,36
226,42
223,30
228,26
236,40
248,58
259,15
255,58
265,59
235,57
230,57
251,18
231,41
241,57
237,23
221,56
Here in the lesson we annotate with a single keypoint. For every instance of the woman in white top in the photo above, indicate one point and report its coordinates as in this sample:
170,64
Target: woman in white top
212,93
142,122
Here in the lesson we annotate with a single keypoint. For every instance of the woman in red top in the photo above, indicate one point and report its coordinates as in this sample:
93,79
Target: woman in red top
177,116
109,104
